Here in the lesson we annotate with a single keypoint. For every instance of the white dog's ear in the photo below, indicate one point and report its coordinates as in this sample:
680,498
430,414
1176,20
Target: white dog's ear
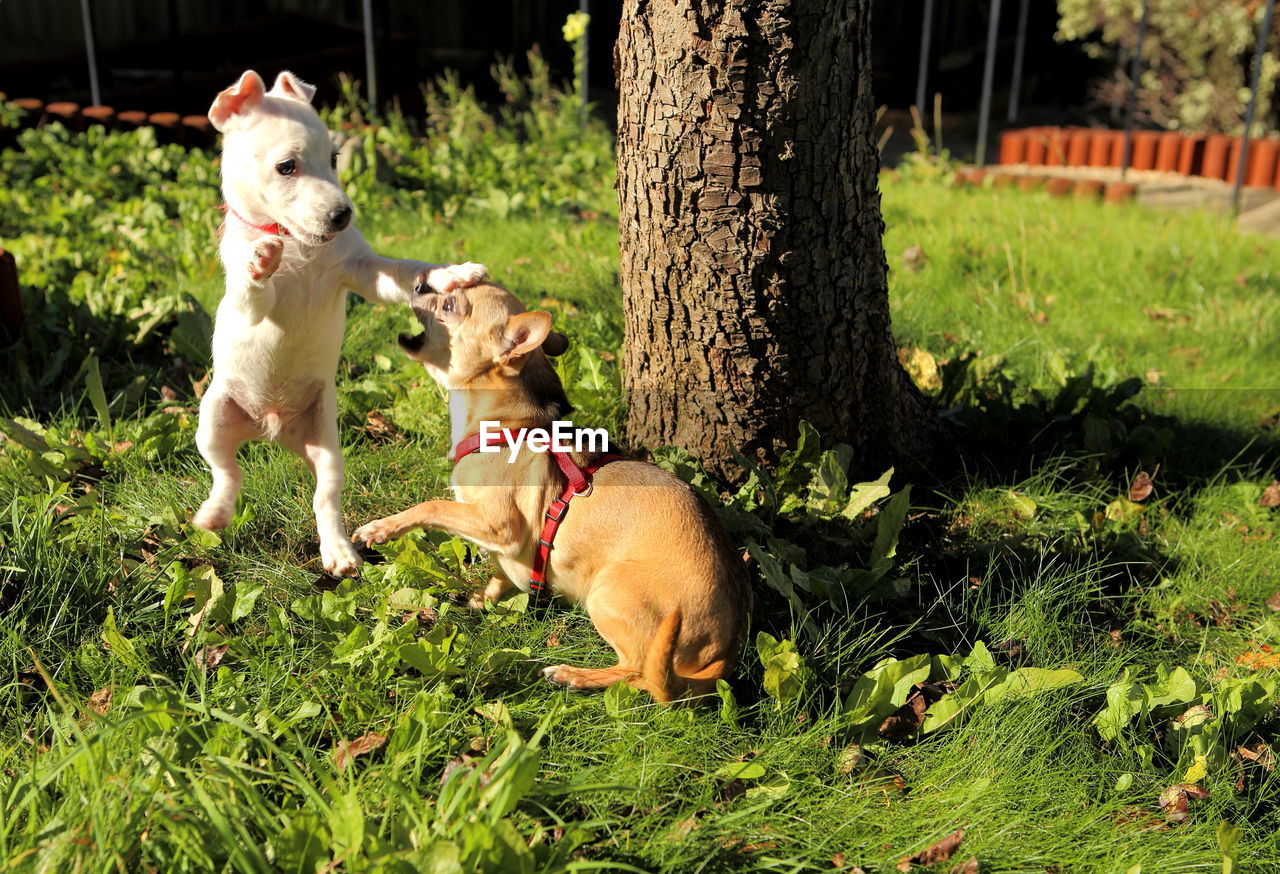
236,100
524,333
289,85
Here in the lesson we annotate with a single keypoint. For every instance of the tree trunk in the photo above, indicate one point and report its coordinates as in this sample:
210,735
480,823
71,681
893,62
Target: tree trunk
753,274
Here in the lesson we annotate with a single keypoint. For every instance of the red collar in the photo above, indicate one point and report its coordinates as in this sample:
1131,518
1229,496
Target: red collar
275,229
577,483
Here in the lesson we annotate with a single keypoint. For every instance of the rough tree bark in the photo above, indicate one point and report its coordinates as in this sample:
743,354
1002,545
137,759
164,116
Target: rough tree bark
753,273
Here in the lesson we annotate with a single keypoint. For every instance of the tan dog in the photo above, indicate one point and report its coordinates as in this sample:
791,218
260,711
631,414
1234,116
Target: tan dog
639,548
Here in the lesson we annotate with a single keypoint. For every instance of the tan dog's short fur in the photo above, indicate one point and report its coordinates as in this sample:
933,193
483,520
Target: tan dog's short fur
642,552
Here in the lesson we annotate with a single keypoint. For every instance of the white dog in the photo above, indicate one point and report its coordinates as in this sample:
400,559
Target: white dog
290,253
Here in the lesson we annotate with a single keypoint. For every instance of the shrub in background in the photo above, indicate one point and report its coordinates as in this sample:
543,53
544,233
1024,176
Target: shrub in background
1197,58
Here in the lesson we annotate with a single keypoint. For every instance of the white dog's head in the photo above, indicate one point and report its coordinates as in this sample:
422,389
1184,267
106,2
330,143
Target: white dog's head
277,158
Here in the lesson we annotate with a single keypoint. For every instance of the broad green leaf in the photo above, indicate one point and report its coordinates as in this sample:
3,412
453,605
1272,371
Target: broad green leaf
1023,506
1198,771
1025,682
120,646
620,698
728,704
863,495
774,787
1228,838
97,394
346,822
303,844
740,771
246,596
980,659
888,526
1125,700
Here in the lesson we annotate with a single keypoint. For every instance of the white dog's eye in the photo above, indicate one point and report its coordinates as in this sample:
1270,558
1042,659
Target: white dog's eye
287,167
447,305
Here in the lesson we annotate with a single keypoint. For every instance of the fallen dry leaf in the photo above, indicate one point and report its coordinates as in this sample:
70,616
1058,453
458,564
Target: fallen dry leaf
1260,659
1259,754
379,427
1271,495
680,830
939,852
1141,487
210,656
969,867
908,718
1175,800
168,394
1273,603
1014,651
1140,817
198,387
346,750
100,701
914,259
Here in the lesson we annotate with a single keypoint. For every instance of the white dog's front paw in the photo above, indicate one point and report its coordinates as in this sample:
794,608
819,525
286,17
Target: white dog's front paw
213,516
267,254
340,558
446,279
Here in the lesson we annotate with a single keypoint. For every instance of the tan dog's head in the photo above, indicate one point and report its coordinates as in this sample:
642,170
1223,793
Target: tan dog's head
277,158
471,332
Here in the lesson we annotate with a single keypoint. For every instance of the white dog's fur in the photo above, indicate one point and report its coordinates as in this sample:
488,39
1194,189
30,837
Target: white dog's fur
278,331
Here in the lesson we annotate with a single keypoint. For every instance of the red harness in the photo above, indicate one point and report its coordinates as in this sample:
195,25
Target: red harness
274,229
578,483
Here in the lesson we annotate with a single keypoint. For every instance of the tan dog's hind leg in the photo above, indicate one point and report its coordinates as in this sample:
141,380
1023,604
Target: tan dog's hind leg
224,425
637,643
588,678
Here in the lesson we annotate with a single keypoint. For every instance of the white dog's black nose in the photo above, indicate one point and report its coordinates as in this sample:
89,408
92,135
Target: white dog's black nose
340,218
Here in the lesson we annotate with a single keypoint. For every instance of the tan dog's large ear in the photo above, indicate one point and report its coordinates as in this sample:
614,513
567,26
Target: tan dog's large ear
289,85
524,333
555,344
237,100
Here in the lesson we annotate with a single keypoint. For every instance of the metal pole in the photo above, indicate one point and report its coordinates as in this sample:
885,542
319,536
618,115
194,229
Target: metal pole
87,16
988,77
370,65
922,76
1263,33
1134,72
1019,51
583,79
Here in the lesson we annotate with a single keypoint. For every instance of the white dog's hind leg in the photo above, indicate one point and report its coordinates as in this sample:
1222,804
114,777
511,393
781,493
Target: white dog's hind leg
317,442
223,427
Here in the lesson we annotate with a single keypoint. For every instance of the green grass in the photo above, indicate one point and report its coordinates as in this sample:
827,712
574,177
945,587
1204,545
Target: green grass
204,767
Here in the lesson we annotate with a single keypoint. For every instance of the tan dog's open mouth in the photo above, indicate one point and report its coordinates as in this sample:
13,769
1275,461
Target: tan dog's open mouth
412,342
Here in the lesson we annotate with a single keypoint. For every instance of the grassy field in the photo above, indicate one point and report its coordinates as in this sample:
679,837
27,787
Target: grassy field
182,702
